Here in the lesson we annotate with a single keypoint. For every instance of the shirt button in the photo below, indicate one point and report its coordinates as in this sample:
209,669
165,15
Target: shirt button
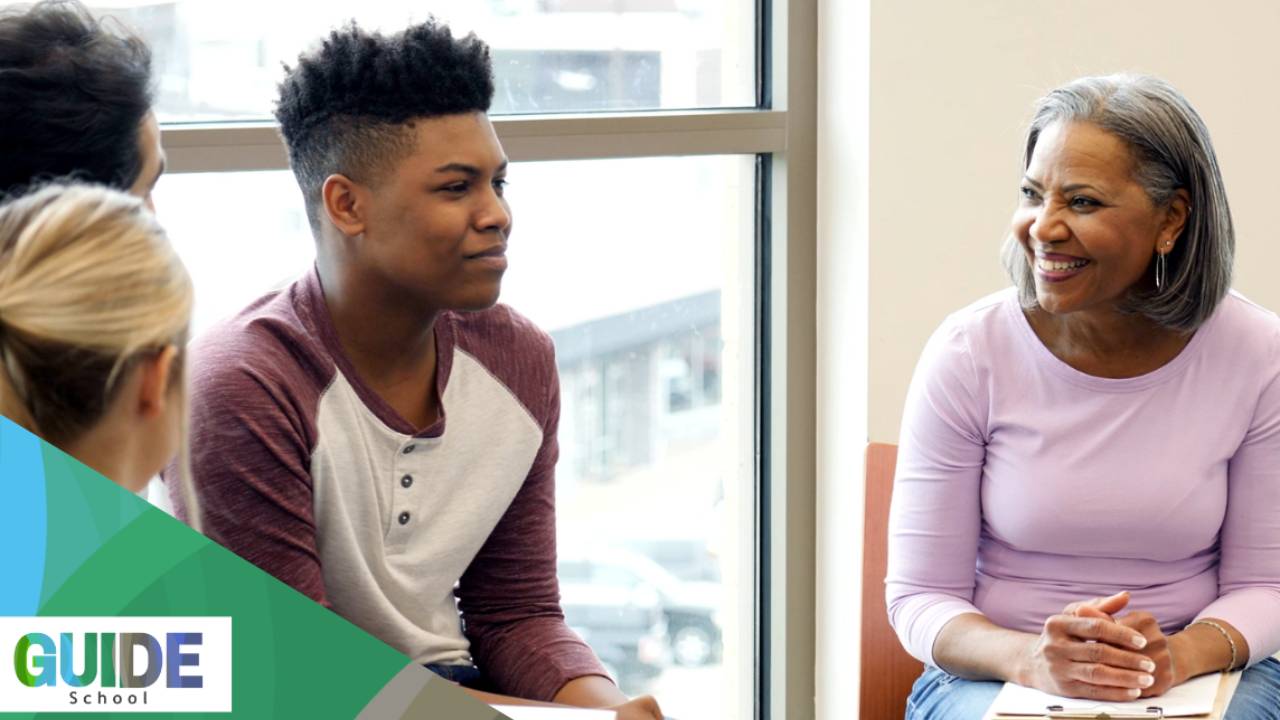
409,448
404,518
406,481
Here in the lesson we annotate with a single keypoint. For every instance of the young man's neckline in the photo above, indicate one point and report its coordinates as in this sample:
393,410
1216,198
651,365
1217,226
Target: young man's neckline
445,339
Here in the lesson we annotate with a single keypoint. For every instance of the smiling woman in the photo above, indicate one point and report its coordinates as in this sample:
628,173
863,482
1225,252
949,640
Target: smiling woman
1083,215
1134,148
1119,379
1088,231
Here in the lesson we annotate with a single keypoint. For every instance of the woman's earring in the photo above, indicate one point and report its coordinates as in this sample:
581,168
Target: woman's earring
1160,270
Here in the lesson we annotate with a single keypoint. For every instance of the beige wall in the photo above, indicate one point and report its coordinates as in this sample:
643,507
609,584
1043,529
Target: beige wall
952,85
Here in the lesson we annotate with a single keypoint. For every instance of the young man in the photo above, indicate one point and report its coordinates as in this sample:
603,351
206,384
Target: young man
75,100
381,435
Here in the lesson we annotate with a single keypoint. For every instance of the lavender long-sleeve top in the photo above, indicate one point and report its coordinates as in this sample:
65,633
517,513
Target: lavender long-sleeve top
1024,485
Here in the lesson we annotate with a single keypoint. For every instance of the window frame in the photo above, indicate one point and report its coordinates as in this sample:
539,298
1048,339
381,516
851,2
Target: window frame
781,132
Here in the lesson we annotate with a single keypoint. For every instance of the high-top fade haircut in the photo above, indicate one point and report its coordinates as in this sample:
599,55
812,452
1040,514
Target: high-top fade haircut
74,92
348,107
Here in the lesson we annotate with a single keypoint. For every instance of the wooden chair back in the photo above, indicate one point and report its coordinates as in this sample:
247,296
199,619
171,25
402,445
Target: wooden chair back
887,670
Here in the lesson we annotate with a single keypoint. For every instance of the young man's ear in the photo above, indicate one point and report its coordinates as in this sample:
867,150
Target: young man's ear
154,375
344,204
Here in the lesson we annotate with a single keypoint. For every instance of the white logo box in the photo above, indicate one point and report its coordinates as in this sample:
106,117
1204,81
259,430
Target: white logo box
213,656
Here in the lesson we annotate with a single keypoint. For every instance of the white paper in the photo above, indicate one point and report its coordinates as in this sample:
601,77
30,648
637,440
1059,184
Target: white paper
1194,697
530,712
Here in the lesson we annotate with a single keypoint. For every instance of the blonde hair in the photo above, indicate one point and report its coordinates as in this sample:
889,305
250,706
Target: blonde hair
88,284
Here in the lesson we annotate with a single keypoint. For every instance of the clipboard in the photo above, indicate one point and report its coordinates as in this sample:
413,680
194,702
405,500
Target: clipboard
1226,688
1056,711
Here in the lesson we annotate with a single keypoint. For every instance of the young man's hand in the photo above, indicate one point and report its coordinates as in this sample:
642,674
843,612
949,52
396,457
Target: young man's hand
641,708
596,691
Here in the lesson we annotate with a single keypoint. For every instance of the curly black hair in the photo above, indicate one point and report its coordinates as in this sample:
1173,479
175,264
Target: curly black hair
73,95
348,107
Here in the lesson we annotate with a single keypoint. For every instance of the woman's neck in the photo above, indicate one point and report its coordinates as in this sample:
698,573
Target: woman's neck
110,450
1107,343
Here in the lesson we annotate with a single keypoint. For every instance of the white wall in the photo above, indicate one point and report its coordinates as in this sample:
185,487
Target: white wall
952,86
921,113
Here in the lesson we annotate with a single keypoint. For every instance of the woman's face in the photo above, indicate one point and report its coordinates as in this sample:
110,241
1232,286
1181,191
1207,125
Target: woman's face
1088,229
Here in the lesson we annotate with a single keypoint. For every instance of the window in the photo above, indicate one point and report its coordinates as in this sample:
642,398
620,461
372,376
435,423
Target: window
661,238
549,56
625,457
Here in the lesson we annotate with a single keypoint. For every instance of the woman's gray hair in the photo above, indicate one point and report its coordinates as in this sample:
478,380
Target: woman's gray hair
1171,150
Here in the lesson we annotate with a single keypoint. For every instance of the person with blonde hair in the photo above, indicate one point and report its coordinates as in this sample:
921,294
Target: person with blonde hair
94,312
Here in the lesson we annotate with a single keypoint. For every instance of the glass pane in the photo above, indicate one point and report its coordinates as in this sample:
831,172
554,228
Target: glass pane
549,56
235,257
643,277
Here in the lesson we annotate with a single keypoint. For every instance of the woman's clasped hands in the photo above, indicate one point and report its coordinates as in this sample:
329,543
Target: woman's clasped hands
1087,652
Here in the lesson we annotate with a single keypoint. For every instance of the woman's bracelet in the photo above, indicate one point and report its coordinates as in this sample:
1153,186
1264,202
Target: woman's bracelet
1226,635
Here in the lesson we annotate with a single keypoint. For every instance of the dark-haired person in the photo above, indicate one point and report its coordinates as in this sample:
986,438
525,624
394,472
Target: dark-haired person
75,100
380,435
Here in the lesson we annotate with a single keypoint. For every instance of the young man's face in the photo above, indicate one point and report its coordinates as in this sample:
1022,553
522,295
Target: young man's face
437,225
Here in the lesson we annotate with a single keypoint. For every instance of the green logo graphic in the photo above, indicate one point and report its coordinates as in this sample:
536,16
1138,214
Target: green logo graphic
82,547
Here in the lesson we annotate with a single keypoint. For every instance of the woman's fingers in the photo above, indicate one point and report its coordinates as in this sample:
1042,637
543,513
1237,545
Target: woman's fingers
1113,604
1100,692
1086,652
1091,611
1143,622
1103,654
1098,674
1099,629
1109,605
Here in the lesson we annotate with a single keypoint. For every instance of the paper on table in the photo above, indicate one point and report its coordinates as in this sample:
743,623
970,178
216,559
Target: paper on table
1194,697
531,712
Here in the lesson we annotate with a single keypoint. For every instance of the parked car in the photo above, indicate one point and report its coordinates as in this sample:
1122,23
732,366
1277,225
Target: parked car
624,624
687,558
689,609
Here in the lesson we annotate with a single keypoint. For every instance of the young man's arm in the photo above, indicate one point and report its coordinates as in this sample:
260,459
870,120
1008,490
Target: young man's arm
250,468
641,708
590,691
510,598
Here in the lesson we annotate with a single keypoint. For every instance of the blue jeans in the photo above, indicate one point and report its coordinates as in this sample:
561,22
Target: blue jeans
464,675
938,695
